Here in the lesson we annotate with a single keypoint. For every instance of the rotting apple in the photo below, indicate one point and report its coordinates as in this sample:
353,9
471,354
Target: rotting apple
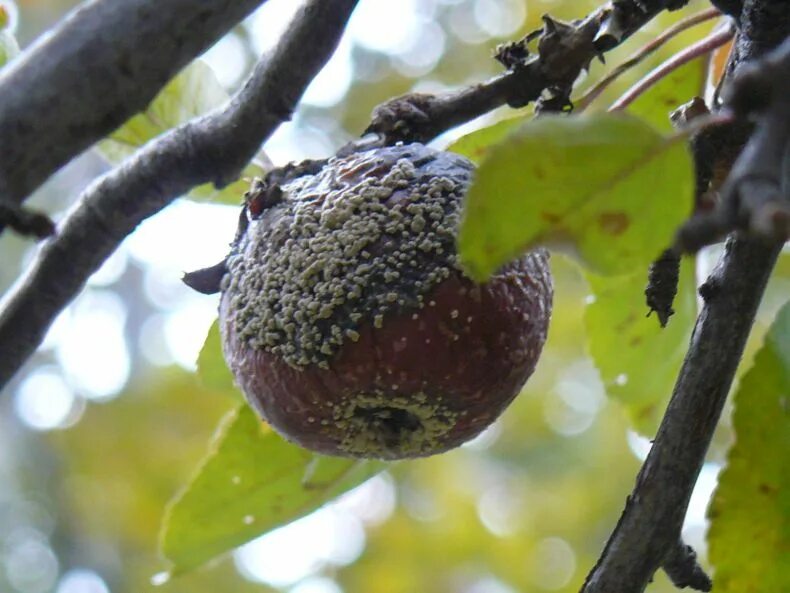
349,323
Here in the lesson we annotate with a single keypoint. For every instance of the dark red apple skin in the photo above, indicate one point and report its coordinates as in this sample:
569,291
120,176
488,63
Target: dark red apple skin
467,352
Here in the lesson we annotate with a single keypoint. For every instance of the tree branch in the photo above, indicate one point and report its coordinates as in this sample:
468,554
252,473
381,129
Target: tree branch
564,50
753,198
647,534
704,46
213,148
640,55
25,222
104,63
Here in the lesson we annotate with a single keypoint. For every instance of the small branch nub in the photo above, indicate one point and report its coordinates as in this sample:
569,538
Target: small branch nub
662,285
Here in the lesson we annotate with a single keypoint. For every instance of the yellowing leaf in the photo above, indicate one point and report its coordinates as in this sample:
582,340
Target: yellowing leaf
672,91
193,92
251,482
749,537
637,359
607,186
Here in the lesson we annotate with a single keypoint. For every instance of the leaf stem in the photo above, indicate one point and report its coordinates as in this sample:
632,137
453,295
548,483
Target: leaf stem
702,47
637,57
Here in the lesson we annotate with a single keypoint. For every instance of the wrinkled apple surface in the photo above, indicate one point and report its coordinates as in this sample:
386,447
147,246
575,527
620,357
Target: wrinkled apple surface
349,324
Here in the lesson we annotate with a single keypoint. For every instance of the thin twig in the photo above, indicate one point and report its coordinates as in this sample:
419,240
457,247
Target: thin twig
692,52
25,222
683,570
102,64
644,52
213,148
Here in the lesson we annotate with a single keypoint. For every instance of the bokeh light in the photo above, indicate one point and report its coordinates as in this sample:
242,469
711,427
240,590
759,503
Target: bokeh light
317,585
44,401
554,563
12,15
93,352
80,580
30,564
328,537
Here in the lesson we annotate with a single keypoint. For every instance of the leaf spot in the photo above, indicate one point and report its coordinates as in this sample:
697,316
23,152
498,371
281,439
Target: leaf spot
550,218
614,223
767,489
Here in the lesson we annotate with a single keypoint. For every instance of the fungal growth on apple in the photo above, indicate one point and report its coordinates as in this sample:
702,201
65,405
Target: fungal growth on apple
348,322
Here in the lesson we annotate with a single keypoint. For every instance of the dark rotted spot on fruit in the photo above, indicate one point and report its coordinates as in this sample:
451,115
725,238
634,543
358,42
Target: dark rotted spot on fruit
394,425
614,223
389,426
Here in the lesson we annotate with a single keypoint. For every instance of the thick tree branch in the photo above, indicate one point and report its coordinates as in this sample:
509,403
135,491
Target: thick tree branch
105,62
648,531
213,148
651,522
564,50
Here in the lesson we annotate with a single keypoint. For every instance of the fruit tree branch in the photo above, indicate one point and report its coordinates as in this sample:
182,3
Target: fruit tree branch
563,51
213,148
105,62
647,533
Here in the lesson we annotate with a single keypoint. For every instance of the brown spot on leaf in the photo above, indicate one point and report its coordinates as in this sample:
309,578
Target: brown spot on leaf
628,321
550,217
614,223
767,489
479,151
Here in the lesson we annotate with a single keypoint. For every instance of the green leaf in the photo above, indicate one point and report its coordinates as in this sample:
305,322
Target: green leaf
675,89
213,371
607,185
475,145
637,359
749,537
193,92
251,482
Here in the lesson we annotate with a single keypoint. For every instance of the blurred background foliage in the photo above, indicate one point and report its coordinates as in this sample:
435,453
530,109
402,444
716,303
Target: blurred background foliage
107,420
